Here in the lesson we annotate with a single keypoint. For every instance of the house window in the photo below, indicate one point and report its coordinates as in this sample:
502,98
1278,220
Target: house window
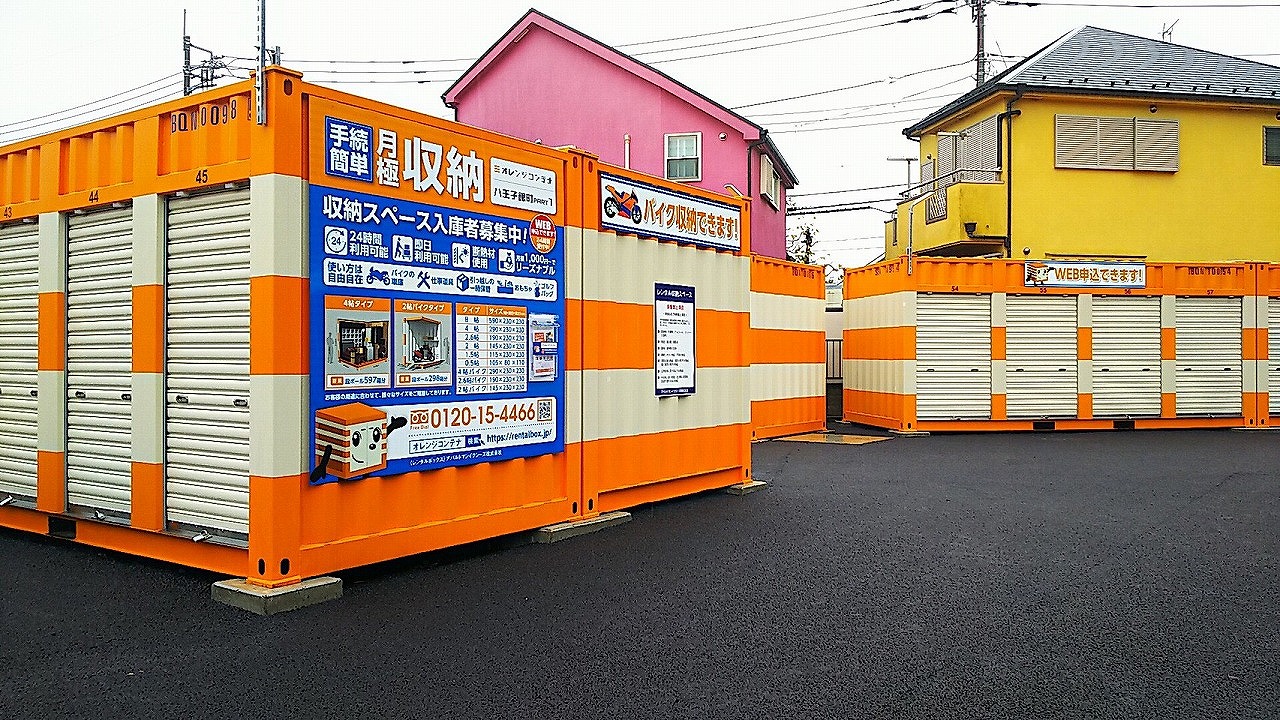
770,184
1271,146
1115,143
684,156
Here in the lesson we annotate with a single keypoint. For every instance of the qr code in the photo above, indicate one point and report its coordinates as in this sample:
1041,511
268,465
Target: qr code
544,410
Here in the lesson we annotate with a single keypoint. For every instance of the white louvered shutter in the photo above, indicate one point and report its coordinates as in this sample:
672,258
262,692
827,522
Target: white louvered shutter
953,357
1075,141
19,303
1273,352
100,360
1156,145
1040,357
1115,143
1209,363
1126,356
207,363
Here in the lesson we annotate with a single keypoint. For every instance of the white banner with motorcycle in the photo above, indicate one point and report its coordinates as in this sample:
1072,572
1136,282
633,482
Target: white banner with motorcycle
637,208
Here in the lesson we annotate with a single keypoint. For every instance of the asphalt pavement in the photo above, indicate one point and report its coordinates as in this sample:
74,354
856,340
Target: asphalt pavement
1081,575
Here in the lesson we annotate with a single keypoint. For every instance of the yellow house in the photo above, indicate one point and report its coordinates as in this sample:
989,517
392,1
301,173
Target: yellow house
1102,145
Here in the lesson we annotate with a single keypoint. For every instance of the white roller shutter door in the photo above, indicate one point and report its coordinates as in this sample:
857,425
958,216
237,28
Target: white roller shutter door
953,357
99,360
1209,365
1126,356
1041,356
19,305
207,363
1273,352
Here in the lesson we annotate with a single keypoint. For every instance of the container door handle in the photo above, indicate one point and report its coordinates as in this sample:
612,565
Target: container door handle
180,399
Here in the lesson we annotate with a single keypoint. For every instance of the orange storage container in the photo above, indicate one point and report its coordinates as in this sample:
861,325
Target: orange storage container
977,344
353,333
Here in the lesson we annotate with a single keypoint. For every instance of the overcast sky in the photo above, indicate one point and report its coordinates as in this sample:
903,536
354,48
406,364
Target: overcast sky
59,55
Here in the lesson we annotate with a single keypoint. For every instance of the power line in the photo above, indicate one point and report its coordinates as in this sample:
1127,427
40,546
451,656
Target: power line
898,11
755,27
151,101
1141,6
25,125
852,116
867,106
927,16
851,87
381,82
849,190
387,72
91,102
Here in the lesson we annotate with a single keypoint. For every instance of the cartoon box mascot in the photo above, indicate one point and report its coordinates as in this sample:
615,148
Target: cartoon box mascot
351,440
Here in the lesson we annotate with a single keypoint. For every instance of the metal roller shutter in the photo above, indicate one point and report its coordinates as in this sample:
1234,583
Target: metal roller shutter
953,357
1209,359
1126,356
207,363
1273,352
19,302
99,360
1041,356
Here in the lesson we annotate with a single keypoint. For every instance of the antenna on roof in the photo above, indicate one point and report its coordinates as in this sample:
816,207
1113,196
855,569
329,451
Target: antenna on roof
1166,31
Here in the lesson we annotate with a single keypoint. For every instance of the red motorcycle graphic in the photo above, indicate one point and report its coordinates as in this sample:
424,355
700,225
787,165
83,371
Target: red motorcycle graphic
626,204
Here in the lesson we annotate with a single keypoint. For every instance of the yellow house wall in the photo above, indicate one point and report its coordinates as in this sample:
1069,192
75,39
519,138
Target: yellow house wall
1220,205
983,203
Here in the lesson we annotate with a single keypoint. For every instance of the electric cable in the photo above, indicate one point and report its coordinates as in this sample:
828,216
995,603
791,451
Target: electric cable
23,126
853,87
91,102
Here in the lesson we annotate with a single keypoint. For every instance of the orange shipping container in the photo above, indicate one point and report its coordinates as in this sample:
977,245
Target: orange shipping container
353,333
963,344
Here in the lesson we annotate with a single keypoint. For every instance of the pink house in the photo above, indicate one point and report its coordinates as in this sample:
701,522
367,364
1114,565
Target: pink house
546,82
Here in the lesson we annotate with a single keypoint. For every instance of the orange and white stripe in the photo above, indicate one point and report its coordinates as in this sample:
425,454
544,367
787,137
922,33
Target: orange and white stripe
879,358
788,348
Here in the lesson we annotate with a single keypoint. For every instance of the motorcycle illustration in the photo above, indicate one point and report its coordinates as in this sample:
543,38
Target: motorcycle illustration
626,204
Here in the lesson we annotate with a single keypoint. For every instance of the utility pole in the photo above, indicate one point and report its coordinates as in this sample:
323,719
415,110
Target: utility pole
980,19
260,81
186,56
203,74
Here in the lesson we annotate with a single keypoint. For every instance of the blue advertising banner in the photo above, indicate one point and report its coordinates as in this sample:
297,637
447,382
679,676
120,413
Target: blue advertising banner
436,333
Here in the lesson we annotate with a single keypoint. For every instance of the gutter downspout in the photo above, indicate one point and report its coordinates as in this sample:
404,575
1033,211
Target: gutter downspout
1007,162
626,151
750,166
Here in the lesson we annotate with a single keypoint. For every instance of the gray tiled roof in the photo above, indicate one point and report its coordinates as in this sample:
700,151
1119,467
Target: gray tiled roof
1093,61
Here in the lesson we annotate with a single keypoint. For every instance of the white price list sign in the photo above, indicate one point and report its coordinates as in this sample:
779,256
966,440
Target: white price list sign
492,349
674,358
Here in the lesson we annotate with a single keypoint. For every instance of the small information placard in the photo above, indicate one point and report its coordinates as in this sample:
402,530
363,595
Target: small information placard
674,357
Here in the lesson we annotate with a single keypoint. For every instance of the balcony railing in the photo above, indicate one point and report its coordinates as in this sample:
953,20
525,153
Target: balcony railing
963,175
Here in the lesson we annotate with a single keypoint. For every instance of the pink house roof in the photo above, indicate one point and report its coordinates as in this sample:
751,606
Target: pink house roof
749,130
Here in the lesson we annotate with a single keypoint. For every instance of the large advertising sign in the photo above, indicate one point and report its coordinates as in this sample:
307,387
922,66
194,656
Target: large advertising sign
637,208
437,299
1076,274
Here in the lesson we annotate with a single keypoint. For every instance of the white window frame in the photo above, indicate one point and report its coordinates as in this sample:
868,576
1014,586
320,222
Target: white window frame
666,156
770,183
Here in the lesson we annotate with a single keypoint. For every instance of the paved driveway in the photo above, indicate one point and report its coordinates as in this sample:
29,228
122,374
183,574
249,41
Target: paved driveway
1121,575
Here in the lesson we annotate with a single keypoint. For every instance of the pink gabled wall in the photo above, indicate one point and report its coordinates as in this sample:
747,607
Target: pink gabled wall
546,88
